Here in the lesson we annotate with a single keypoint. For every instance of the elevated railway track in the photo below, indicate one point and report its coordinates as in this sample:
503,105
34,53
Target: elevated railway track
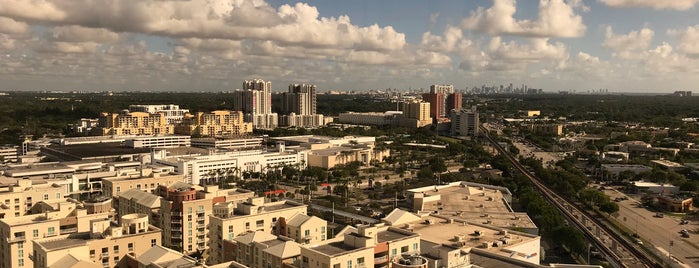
617,250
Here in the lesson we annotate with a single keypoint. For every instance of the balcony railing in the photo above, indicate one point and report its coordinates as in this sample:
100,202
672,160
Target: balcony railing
16,239
381,259
68,230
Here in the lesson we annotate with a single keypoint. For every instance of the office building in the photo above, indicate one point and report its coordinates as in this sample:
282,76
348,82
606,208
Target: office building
254,215
302,121
105,244
255,101
229,143
168,141
173,113
376,119
464,122
437,104
84,126
134,123
453,102
214,124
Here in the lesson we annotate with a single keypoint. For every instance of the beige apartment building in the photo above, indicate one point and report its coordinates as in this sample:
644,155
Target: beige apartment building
215,123
369,246
306,229
49,220
16,200
104,244
185,210
262,250
148,181
141,202
252,216
134,123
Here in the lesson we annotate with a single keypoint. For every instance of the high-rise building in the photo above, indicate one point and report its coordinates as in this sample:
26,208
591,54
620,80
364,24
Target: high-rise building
255,101
464,122
442,89
415,114
301,99
436,101
453,102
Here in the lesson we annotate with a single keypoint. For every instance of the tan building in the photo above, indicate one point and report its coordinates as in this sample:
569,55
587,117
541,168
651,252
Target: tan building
251,216
368,246
215,123
16,200
261,250
416,114
548,129
105,244
158,257
306,229
141,202
50,220
331,156
135,123
185,210
147,181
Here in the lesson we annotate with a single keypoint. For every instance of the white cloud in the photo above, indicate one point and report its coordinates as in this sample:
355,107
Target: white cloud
655,4
446,43
537,49
10,26
689,40
556,19
297,25
623,44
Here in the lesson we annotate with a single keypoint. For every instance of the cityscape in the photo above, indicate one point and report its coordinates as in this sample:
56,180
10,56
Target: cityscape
277,134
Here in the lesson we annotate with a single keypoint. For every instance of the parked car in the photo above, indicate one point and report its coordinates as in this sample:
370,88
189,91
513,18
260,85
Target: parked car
659,215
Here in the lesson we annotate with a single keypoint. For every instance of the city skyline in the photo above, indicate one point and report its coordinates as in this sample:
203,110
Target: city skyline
639,46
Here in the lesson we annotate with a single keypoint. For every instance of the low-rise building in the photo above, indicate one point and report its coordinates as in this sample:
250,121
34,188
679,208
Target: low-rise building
215,123
105,243
17,200
47,220
256,215
260,250
135,123
677,203
231,144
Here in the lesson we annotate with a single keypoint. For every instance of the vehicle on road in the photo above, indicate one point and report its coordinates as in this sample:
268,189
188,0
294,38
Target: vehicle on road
659,215
638,241
683,222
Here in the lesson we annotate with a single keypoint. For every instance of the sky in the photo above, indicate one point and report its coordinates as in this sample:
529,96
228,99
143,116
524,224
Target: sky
640,46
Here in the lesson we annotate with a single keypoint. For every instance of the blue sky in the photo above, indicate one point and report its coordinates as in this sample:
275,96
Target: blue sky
213,45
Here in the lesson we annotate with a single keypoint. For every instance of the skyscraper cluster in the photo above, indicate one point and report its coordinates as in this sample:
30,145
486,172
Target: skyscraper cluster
442,99
255,101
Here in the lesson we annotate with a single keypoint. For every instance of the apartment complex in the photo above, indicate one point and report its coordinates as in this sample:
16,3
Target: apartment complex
229,143
300,99
416,114
261,250
255,101
147,181
215,123
443,100
106,243
185,211
9,154
47,220
134,123
255,215
18,199
173,113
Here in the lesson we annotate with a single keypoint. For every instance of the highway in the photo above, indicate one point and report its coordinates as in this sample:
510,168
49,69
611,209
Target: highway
658,232
618,251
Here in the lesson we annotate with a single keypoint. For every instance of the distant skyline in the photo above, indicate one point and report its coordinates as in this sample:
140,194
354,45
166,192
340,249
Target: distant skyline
640,46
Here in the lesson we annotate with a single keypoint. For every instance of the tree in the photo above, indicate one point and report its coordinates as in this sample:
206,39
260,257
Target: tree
609,207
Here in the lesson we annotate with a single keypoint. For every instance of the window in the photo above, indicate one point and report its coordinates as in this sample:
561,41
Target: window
130,246
118,189
58,195
322,230
138,186
116,249
51,231
20,262
260,223
307,232
35,233
404,249
92,253
414,246
46,196
349,263
189,210
360,261
153,242
247,226
105,251
116,259
230,228
7,201
394,252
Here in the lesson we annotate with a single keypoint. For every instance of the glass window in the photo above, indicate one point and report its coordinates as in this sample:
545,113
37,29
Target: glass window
35,233
51,231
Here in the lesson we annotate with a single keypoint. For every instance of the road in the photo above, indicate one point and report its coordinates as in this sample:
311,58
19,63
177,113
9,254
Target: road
658,232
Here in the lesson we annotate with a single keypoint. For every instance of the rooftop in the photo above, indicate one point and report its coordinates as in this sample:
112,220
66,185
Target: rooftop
80,151
393,235
334,248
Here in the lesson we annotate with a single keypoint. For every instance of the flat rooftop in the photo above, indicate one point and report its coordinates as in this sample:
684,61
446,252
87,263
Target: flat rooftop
441,231
392,235
81,151
334,248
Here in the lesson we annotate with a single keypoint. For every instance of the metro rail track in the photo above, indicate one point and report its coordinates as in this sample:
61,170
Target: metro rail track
571,211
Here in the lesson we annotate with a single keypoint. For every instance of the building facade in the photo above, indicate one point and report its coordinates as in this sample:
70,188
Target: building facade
255,101
134,123
173,113
300,99
464,122
214,124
